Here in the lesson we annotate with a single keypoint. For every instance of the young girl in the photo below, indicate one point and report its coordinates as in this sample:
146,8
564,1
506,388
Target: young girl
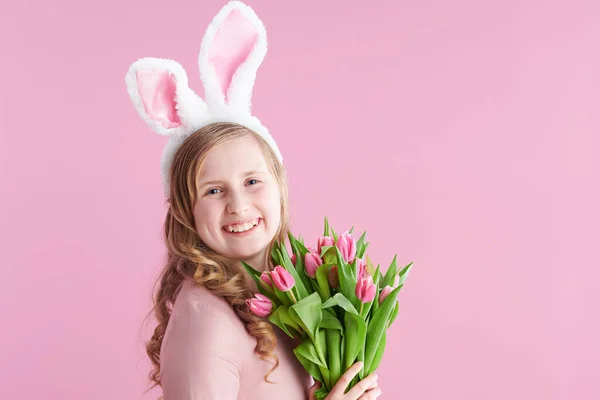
227,202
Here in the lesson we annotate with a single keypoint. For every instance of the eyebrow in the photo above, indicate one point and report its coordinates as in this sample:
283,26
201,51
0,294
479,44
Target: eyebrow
216,182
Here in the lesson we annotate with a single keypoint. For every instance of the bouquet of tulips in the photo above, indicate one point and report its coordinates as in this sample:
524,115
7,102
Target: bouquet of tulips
333,300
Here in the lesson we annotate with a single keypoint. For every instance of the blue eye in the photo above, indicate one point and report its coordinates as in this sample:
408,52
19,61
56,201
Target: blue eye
213,191
253,180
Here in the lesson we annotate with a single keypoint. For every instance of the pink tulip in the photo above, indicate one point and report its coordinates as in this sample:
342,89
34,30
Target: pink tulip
347,246
293,258
362,267
266,279
312,261
260,305
333,277
365,289
282,279
384,293
325,241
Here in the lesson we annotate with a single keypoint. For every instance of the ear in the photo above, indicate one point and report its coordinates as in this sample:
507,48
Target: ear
159,91
233,47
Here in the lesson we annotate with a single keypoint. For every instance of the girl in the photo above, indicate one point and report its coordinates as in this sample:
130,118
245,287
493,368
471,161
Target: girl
227,202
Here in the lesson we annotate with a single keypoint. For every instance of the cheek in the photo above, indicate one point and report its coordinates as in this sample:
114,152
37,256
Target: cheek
272,205
205,215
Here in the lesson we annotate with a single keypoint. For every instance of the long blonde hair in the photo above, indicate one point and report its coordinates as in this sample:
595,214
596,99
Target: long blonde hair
189,258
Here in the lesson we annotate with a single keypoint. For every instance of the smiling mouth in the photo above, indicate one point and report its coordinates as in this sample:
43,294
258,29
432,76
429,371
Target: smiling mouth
241,228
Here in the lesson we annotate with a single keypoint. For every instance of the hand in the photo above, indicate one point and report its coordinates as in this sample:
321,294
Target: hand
366,389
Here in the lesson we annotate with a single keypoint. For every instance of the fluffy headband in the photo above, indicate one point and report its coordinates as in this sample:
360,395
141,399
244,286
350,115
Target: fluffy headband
233,47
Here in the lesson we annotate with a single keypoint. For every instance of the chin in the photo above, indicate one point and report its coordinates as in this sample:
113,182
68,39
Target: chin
248,255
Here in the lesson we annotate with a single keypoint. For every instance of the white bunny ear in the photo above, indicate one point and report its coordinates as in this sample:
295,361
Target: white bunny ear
159,91
233,47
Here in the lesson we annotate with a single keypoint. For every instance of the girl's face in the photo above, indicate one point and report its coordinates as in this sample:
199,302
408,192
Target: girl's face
238,207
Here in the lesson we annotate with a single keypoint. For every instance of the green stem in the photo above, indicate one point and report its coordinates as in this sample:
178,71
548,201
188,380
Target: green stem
293,297
361,308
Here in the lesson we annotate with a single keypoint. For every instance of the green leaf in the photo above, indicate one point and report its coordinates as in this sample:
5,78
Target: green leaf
300,262
286,319
374,273
275,255
356,332
276,319
404,273
308,314
335,236
306,353
360,245
308,350
377,328
340,300
351,230
321,346
391,272
379,353
282,296
330,321
334,343
326,230
361,357
394,313
323,281
347,279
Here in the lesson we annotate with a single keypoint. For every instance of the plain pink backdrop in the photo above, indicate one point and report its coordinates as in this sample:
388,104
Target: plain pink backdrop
462,135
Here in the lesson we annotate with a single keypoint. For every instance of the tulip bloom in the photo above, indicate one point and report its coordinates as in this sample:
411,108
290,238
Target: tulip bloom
388,289
260,305
293,258
325,241
365,289
362,267
312,261
333,277
266,278
384,293
347,246
283,280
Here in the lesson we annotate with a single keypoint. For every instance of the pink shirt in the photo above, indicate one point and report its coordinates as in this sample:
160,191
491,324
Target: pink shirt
208,354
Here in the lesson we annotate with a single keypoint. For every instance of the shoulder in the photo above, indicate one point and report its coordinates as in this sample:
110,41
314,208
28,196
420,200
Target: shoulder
203,324
206,310
200,318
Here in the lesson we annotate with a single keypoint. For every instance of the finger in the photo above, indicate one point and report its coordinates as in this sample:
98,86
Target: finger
313,389
373,385
344,381
371,394
362,386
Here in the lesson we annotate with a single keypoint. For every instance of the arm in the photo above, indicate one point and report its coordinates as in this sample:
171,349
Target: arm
202,356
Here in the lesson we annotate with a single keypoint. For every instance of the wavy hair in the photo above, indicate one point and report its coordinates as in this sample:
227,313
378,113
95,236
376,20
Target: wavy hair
188,258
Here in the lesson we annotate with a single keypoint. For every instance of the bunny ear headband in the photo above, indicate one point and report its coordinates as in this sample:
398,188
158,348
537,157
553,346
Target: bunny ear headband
233,47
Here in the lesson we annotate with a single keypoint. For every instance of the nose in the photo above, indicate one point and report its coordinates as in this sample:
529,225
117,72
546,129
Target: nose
237,203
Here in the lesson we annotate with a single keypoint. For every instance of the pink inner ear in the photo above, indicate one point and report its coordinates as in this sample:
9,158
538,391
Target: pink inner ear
231,46
157,90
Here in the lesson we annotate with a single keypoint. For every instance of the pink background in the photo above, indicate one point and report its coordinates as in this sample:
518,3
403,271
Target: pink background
461,135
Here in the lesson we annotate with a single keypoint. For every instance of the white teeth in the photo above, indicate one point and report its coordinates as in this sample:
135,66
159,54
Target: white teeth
242,227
